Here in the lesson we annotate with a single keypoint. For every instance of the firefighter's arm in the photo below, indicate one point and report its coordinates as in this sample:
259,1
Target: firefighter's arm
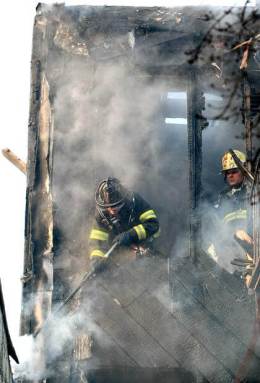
148,226
245,241
98,243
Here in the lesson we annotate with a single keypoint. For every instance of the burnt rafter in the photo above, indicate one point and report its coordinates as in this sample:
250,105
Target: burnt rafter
148,26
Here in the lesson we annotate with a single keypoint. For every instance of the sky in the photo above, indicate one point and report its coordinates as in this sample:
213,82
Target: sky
16,37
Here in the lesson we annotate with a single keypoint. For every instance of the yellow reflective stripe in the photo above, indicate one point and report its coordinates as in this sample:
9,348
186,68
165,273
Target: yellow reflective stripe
99,235
140,230
97,253
147,215
157,234
239,214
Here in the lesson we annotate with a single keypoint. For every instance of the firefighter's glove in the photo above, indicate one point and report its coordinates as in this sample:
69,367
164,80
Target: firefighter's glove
97,265
123,239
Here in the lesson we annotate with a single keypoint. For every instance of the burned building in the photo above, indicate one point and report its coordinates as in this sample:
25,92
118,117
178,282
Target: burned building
153,96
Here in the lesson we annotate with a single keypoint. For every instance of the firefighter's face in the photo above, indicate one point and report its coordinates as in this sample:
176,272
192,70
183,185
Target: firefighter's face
234,177
113,211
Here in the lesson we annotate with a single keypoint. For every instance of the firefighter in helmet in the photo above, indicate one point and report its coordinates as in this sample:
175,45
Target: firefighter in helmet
121,216
232,205
232,213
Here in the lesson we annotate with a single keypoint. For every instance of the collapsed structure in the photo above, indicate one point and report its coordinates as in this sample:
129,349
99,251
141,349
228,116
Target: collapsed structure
121,91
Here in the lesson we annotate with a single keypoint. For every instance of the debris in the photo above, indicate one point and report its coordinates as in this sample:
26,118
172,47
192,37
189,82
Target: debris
27,276
83,346
117,301
16,161
244,61
67,39
247,42
219,73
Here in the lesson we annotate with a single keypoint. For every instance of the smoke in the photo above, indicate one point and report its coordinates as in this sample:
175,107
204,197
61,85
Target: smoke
39,356
110,121
115,128
24,349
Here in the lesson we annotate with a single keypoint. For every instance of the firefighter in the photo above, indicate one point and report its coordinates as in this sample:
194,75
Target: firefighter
234,210
232,201
231,214
121,216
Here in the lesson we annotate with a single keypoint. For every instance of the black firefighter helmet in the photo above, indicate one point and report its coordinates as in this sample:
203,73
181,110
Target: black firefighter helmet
111,193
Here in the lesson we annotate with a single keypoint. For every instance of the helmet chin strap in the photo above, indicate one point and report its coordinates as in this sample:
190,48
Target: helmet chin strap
116,223
236,188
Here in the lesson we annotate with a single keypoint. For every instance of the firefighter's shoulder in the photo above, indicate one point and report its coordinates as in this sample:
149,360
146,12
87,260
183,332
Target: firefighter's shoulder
140,202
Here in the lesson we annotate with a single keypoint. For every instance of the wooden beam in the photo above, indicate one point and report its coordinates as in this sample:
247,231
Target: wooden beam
16,161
